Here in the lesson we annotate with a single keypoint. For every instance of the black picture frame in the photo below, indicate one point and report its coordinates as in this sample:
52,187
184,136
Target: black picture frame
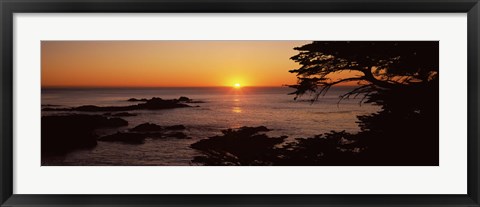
10,7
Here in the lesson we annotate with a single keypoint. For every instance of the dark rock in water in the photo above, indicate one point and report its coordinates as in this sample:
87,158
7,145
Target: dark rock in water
156,131
178,135
175,127
188,100
184,99
112,122
151,104
65,133
129,138
137,100
147,127
158,103
137,134
196,102
85,108
124,114
50,105
139,137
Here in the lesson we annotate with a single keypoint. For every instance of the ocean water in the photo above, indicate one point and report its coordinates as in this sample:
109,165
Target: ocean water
223,108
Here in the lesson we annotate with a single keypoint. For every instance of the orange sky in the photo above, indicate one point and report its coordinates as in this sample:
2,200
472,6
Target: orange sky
167,63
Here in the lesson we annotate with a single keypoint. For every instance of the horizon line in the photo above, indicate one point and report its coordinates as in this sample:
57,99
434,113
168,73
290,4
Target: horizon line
146,87
220,86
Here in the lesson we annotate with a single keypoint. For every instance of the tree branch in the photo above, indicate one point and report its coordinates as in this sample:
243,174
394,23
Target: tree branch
370,78
346,80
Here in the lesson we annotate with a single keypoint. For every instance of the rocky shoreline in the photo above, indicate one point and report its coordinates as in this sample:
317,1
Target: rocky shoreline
154,103
64,133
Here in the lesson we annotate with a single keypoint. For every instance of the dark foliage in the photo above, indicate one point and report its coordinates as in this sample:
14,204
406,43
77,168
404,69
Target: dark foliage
249,146
378,65
406,130
401,77
335,148
245,146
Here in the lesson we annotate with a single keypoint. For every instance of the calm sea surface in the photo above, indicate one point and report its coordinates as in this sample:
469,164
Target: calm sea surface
223,108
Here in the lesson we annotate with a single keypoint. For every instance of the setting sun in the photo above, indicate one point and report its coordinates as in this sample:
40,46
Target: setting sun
237,85
162,63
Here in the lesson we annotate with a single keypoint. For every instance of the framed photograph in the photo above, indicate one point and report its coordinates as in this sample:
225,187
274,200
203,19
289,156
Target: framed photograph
239,103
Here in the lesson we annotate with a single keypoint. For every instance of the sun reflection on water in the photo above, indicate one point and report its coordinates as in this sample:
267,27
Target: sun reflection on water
236,109
236,105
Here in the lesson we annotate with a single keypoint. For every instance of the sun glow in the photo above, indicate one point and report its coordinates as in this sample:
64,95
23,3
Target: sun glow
237,85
